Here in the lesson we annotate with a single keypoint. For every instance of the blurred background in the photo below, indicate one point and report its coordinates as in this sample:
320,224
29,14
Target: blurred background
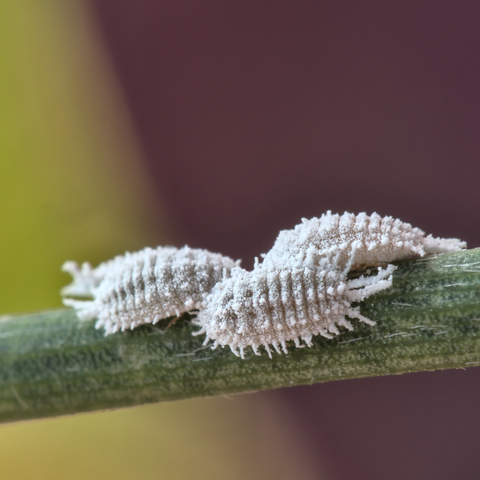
217,124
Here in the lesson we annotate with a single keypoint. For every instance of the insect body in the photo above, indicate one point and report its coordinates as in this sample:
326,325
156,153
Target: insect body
145,286
272,305
376,240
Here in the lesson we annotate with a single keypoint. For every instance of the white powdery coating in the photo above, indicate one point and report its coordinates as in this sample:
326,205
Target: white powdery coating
301,289
145,286
373,239
270,306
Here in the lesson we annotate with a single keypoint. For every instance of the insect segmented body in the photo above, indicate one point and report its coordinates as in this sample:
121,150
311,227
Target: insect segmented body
374,239
273,305
145,286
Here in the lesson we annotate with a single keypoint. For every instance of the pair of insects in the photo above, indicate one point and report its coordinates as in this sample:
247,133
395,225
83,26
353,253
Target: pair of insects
299,290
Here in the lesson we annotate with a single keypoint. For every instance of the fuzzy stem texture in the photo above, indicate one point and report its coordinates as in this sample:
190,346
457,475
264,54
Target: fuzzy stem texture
53,364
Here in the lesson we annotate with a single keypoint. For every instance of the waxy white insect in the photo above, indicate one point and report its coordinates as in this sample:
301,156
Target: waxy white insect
301,288
378,240
145,286
270,306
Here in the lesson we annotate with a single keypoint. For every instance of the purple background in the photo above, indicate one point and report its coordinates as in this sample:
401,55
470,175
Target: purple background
254,114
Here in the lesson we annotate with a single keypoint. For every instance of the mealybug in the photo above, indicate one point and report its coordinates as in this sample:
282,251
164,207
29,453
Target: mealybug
145,286
272,305
377,240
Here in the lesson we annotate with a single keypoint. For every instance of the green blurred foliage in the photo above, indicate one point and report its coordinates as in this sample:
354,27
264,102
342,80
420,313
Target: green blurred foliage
194,439
71,187
69,184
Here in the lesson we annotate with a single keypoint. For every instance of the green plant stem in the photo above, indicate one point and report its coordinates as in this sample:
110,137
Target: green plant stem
53,364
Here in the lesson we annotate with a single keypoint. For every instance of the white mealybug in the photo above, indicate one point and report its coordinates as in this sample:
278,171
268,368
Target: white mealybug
145,286
273,305
379,240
